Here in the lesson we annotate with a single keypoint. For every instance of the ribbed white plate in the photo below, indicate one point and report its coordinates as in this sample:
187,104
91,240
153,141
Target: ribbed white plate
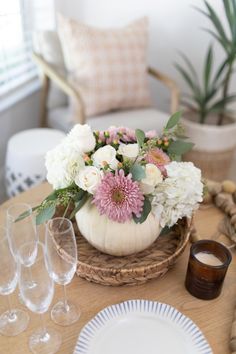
141,327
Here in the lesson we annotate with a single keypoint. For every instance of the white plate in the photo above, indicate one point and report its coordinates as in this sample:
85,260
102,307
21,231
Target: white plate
141,327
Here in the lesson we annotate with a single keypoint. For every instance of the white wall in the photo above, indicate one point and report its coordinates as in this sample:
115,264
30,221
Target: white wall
174,25
23,115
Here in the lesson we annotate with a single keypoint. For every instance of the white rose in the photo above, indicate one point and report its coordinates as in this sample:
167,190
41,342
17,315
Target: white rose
129,151
63,164
81,138
152,179
89,178
105,155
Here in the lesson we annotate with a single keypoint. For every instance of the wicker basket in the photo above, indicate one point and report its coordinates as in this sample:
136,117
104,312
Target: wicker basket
153,262
214,165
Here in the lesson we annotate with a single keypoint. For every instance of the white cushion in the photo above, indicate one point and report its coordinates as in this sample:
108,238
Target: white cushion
47,44
145,119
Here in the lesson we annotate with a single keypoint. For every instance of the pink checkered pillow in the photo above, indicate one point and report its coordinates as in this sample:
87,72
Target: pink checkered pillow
109,66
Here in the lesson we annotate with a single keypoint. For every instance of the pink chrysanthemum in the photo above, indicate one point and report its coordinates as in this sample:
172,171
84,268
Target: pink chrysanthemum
158,158
118,197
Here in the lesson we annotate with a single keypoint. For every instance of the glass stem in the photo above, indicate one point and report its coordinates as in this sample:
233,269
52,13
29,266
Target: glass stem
12,315
44,329
65,298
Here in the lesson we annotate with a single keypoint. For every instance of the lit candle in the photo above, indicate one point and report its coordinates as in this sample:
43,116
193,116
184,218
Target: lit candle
208,258
207,267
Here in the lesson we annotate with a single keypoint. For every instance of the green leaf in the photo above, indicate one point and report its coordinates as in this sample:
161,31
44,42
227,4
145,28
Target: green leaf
216,21
224,44
25,214
166,230
45,214
140,135
145,212
52,196
220,104
189,64
79,205
137,172
208,68
79,195
229,11
173,120
179,147
176,158
220,71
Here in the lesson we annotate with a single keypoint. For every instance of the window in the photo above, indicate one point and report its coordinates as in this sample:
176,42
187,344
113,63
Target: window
18,18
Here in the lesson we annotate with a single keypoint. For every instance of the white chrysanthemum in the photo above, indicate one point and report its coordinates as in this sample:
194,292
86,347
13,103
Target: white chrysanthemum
179,194
81,138
63,164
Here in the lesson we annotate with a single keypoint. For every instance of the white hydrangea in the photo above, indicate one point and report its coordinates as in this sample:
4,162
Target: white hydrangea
63,163
179,194
81,138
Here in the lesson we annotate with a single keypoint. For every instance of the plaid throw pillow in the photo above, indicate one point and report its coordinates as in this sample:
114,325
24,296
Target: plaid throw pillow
108,66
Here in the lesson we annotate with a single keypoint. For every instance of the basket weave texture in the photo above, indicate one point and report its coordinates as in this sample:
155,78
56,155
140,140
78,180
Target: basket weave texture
153,262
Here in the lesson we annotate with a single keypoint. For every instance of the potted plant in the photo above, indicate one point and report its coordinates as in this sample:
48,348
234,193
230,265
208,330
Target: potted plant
122,186
208,120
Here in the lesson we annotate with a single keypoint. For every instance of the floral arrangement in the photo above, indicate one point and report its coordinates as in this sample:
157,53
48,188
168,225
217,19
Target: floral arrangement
126,173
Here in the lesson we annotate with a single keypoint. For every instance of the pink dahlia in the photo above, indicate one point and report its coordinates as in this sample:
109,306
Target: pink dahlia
118,197
158,158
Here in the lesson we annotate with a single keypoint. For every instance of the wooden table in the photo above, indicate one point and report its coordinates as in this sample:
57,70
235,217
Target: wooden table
213,317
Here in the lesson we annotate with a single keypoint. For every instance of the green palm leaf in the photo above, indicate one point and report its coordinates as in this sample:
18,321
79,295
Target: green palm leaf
208,68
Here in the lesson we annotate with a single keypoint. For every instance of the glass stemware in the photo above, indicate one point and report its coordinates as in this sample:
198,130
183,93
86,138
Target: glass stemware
22,233
13,321
61,256
38,299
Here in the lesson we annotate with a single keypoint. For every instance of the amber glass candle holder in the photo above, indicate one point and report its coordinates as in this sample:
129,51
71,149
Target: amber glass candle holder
207,267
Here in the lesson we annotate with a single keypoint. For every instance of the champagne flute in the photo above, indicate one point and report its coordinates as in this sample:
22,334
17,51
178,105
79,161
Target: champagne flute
38,299
60,239
13,321
22,233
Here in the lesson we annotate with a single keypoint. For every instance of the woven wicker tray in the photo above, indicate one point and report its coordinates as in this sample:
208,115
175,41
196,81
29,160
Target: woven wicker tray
153,262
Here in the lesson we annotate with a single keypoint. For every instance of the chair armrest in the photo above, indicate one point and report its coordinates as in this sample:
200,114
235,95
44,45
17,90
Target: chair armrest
64,85
174,90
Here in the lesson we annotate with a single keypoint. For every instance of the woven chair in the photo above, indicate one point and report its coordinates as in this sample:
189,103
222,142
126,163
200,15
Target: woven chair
55,111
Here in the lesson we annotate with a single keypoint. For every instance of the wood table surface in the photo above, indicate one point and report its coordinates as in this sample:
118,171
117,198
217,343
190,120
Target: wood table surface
213,317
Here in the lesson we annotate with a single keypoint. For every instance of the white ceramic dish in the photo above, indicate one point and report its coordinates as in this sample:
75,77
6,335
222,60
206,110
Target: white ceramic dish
141,327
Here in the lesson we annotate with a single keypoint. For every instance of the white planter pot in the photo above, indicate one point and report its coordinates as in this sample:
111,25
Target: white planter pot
214,148
115,238
210,138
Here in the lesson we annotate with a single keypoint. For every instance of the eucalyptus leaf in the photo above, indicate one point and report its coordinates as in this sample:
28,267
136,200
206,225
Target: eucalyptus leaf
137,172
79,205
174,120
140,135
25,214
179,147
145,212
52,196
45,214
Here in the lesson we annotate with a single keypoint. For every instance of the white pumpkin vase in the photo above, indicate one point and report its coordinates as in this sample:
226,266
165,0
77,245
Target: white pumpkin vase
115,238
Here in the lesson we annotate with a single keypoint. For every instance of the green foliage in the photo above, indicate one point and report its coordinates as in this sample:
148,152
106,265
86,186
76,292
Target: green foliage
140,136
137,172
179,147
45,214
204,97
173,120
145,212
79,203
